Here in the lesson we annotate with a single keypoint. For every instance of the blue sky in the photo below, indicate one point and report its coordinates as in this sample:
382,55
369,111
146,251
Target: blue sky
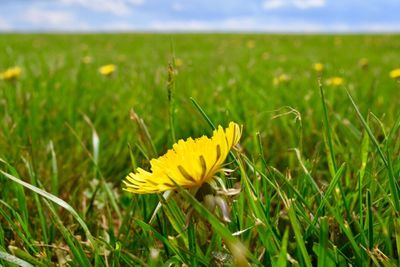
201,15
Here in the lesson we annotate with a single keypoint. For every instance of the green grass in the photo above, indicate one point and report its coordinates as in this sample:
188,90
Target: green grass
318,167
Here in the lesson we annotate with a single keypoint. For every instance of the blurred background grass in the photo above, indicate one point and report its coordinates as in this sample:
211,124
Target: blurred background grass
231,76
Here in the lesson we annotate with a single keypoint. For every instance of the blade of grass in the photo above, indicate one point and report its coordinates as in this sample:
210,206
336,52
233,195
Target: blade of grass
364,159
94,156
132,157
347,230
370,221
307,173
14,260
27,257
192,244
165,196
171,98
2,243
327,128
397,233
326,196
74,245
175,217
237,249
287,182
148,228
282,260
297,232
393,130
266,235
135,260
203,113
392,179
261,152
38,205
146,137
54,169
20,194
23,234
323,242
57,201
329,143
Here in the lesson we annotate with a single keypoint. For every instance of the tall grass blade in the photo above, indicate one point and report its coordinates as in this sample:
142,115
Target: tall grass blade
297,232
57,201
323,242
171,98
54,169
370,221
392,180
282,260
74,245
42,217
14,260
327,194
329,143
192,244
203,113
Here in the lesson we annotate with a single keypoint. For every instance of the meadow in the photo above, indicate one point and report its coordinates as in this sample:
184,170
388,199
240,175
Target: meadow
317,165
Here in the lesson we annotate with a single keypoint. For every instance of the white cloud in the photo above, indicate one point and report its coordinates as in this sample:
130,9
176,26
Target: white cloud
276,26
300,4
304,4
241,24
135,2
191,25
46,19
118,26
4,25
373,28
51,17
272,4
177,7
116,7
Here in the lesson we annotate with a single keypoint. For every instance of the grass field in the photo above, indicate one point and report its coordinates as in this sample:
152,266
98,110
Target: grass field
318,168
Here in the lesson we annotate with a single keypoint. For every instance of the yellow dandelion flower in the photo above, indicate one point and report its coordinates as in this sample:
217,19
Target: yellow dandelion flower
107,70
395,74
363,63
265,56
282,78
189,163
251,44
87,59
318,67
178,62
11,73
335,81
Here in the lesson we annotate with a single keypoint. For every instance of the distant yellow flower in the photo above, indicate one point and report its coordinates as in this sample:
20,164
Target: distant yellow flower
363,63
122,58
335,81
87,59
189,163
395,74
282,78
11,73
265,56
107,70
178,62
318,67
251,44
